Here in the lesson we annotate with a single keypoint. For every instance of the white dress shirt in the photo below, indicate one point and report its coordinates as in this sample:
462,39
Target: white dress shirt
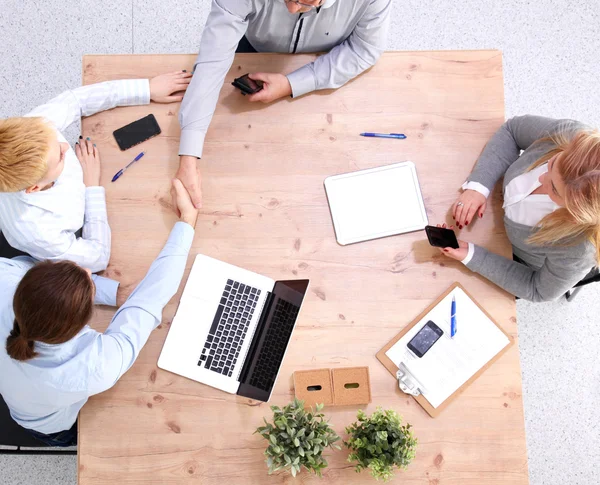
43,224
46,393
520,205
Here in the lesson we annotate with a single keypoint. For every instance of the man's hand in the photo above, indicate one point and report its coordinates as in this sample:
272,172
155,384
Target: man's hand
275,86
190,177
89,158
183,202
162,87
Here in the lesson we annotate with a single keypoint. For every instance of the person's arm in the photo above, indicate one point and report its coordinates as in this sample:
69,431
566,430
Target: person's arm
504,148
117,349
358,52
551,281
106,290
68,107
225,26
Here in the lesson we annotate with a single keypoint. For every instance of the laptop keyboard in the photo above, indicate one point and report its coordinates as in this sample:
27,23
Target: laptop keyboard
271,355
222,347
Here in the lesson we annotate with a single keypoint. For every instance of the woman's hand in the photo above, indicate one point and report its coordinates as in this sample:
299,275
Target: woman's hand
458,254
162,87
89,158
469,203
184,204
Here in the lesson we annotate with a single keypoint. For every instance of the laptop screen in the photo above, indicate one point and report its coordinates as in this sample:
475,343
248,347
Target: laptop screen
271,339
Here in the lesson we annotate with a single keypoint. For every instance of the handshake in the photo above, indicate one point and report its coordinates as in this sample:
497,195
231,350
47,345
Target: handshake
182,203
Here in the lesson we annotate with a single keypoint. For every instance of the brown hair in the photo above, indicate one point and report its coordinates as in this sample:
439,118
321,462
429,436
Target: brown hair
24,149
579,167
52,303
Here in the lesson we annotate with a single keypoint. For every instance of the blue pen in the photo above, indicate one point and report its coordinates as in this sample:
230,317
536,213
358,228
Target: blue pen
122,171
397,136
453,318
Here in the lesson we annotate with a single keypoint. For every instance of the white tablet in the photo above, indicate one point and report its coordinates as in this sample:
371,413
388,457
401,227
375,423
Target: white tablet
375,203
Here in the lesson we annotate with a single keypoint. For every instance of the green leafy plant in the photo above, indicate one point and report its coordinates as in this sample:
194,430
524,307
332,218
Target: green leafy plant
297,438
380,443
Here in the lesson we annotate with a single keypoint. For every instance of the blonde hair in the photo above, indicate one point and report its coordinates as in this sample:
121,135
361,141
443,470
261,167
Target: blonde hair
579,167
24,149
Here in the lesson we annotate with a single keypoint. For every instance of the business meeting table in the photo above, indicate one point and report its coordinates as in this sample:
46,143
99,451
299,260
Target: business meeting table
265,209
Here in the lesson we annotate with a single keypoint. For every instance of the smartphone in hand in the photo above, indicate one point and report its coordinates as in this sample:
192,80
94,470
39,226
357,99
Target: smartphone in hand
247,85
440,237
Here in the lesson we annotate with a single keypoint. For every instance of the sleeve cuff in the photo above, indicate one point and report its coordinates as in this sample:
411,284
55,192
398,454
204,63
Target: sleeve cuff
469,254
182,235
302,81
133,92
191,143
106,290
95,201
482,189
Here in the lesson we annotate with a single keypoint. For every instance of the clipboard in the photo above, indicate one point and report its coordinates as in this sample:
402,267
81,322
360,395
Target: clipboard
393,368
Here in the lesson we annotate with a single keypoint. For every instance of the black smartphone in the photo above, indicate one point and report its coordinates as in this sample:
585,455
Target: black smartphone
135,133
424,339
441,238
247,85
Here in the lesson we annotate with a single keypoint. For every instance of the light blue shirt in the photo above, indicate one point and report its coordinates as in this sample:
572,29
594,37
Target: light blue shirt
46,393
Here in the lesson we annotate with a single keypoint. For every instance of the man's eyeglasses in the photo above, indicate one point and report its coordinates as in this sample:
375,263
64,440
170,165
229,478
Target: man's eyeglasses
306,5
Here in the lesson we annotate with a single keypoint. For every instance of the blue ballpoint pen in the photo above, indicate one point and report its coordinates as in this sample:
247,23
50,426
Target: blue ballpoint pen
397,136
122,171
453,318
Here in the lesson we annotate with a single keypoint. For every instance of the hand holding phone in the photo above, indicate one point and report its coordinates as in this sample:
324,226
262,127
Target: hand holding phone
247,85
441,237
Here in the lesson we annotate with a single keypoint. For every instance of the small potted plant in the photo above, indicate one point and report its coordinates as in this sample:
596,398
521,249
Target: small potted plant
297,438
380,443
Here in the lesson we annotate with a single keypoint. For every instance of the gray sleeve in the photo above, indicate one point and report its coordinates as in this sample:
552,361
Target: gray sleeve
551,281
225,26
358,52
504,148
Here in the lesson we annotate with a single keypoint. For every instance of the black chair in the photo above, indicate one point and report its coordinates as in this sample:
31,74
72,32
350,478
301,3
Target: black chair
14,435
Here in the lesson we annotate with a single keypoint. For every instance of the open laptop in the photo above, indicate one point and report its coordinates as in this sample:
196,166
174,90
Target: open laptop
232,328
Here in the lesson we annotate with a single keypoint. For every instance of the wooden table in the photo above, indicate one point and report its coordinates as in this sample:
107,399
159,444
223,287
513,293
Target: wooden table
265,210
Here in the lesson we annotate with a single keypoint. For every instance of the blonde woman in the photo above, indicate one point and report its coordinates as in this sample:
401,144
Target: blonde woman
551,187
49,191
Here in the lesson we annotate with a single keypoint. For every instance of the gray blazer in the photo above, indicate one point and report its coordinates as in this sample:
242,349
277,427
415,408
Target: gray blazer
550,271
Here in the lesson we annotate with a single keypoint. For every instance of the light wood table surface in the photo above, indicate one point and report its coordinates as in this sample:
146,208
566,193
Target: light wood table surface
265,210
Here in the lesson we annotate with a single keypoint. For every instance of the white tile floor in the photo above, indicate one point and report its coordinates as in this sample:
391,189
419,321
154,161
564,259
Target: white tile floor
551,67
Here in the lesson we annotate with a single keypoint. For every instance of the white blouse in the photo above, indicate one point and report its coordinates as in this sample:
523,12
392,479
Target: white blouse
520,205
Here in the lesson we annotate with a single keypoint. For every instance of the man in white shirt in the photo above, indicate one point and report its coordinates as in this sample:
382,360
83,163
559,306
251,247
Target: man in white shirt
46,195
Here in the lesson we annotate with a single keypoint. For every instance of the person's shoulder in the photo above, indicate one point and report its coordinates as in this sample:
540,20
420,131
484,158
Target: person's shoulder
548,123
578,254
240,8
11,273
17,265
